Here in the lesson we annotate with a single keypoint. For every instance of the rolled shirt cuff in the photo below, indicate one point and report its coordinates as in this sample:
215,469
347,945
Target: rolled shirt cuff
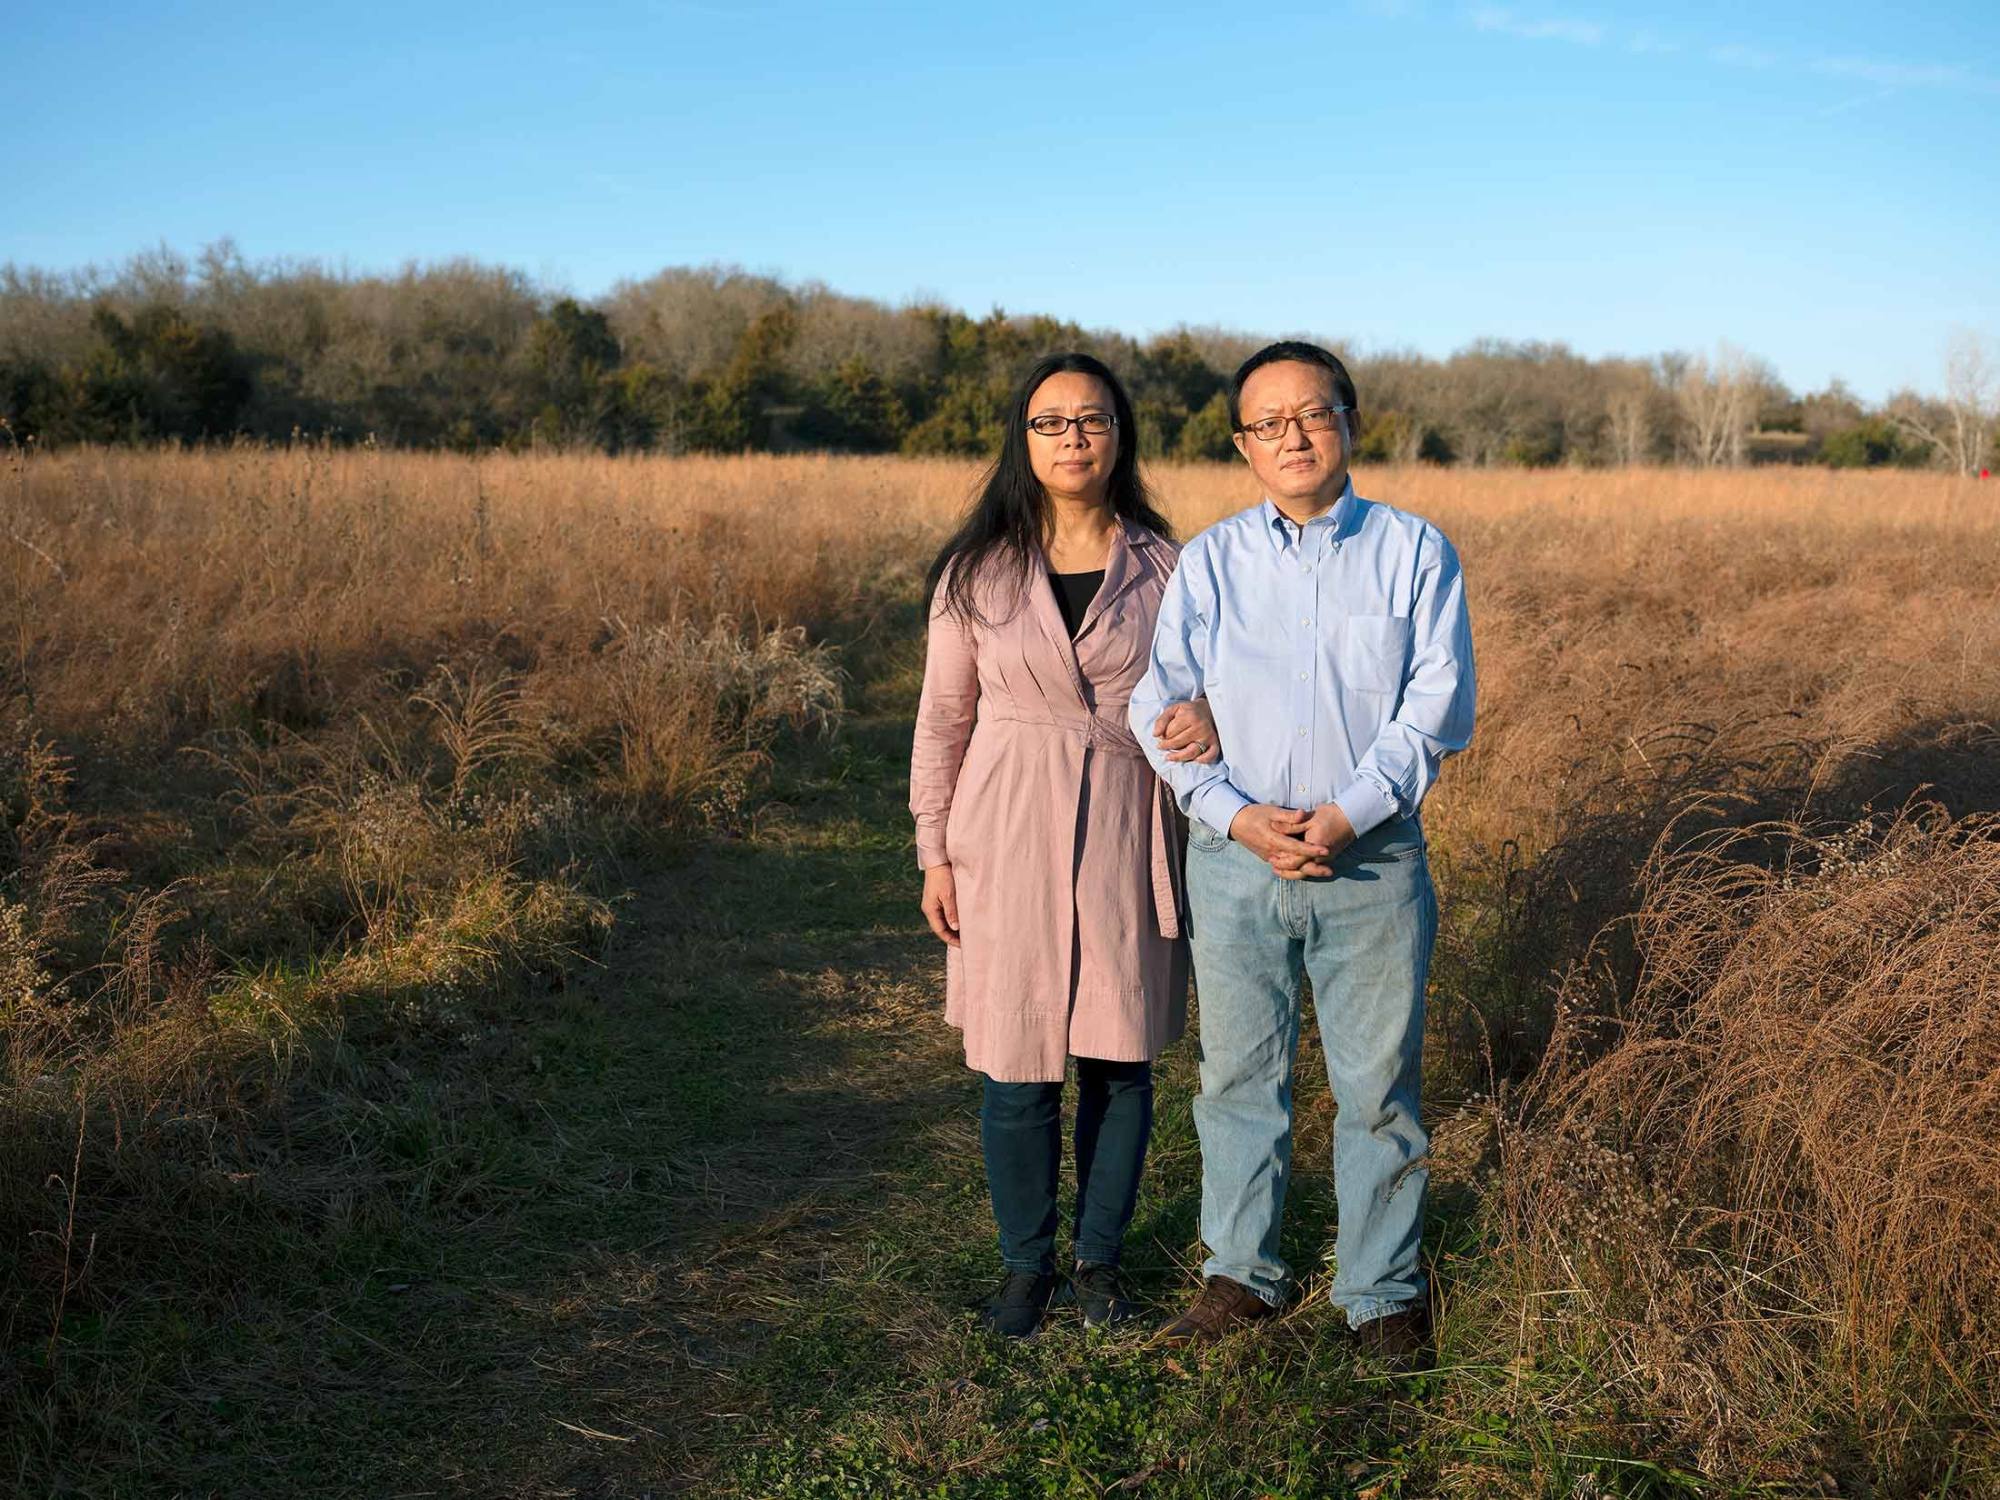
930,846
1366,804
1217,804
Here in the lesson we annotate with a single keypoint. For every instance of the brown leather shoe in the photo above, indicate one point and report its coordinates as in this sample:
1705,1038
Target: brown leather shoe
1399,1339
1223,1307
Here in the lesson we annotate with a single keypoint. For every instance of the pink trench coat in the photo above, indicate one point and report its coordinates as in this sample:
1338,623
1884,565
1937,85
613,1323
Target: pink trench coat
1065,847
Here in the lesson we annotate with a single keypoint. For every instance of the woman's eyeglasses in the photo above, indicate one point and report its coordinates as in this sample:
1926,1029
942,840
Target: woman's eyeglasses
1312,419
1096,423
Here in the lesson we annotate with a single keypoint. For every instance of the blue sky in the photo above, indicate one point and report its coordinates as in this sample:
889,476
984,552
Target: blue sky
1819,184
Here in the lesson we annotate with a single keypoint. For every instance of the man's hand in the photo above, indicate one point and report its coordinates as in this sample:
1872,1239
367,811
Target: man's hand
1186,731
1328,830
1276,835
941,904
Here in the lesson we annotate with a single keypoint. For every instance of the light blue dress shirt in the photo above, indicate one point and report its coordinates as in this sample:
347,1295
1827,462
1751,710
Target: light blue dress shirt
1336,657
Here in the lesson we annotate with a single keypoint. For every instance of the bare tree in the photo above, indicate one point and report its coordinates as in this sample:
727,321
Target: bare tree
1408,446
688,321
1959,429
1630,426
1718,400
1634,393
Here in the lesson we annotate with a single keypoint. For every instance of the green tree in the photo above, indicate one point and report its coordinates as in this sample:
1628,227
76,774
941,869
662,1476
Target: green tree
854,408
648,409
718,418
160,375
1207,434
966,419
736,410
572,355
1160,424
1173,371
1872,443
1385,439
32,400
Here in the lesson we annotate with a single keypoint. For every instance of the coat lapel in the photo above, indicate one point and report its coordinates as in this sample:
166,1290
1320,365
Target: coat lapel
1048,614
1123,568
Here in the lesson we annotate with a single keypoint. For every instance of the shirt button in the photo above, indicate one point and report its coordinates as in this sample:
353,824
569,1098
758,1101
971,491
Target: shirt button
1302,677
1300,788
1302,734
1305,622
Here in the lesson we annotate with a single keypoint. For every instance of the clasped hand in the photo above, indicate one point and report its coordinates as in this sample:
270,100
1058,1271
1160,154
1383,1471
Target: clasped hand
1294,844
1186,731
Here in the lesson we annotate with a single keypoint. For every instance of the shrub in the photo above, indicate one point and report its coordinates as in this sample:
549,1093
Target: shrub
1872,443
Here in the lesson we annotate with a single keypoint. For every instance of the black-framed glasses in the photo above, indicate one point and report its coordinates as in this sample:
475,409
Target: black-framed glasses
1312,419
1096,423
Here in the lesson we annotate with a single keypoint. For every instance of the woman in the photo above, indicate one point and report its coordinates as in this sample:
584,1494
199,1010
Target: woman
1048,846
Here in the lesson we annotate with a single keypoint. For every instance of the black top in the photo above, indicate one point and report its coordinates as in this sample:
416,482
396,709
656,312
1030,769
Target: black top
1074,591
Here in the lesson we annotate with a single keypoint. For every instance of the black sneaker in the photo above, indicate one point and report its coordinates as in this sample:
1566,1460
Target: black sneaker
1101,1295
1016,1310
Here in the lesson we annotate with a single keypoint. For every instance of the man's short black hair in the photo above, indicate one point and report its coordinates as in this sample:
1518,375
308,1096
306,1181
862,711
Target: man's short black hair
1293,349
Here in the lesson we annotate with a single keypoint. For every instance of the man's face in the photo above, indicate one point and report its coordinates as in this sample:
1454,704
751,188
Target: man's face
1300,466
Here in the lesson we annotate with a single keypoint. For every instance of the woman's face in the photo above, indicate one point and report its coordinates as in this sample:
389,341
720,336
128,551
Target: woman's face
1074,464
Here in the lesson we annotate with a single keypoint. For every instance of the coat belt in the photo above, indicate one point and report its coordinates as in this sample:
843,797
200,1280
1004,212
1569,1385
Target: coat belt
1095,734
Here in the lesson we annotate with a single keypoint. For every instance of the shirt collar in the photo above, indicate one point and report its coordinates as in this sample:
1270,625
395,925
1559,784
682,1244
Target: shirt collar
1337,517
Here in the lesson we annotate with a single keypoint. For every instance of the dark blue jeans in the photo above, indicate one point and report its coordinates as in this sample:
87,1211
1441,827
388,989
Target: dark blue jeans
1020,1127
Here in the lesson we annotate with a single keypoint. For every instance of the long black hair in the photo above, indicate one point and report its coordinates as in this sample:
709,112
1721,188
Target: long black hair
1010,519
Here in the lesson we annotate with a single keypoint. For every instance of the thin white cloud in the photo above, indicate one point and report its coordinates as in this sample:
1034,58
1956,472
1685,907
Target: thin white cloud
1859,101
1545,29
1904,75
1500,20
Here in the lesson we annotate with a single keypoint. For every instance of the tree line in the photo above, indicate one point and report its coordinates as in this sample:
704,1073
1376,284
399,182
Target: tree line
714,359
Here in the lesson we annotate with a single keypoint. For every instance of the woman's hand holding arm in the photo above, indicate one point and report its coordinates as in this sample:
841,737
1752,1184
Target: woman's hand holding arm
1186,731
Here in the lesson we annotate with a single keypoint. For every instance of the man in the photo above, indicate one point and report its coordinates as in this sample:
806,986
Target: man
1329,634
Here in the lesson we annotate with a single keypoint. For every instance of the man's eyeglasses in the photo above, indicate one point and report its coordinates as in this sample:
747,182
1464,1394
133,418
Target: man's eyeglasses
1312,419
1096,423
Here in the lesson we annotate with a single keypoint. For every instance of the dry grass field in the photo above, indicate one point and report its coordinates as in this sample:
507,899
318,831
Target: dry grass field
465,1026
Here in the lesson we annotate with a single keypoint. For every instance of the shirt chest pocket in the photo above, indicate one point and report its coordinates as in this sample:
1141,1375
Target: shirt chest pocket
1372,652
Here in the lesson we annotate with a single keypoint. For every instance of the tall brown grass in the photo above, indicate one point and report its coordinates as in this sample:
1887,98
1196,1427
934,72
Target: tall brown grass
1756,1189
310,743
171,592
402,705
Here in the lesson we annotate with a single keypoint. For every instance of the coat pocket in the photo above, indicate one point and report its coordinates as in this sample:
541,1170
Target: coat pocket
1373,653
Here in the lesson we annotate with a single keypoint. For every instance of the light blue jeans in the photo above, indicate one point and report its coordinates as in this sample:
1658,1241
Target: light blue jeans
1364,934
